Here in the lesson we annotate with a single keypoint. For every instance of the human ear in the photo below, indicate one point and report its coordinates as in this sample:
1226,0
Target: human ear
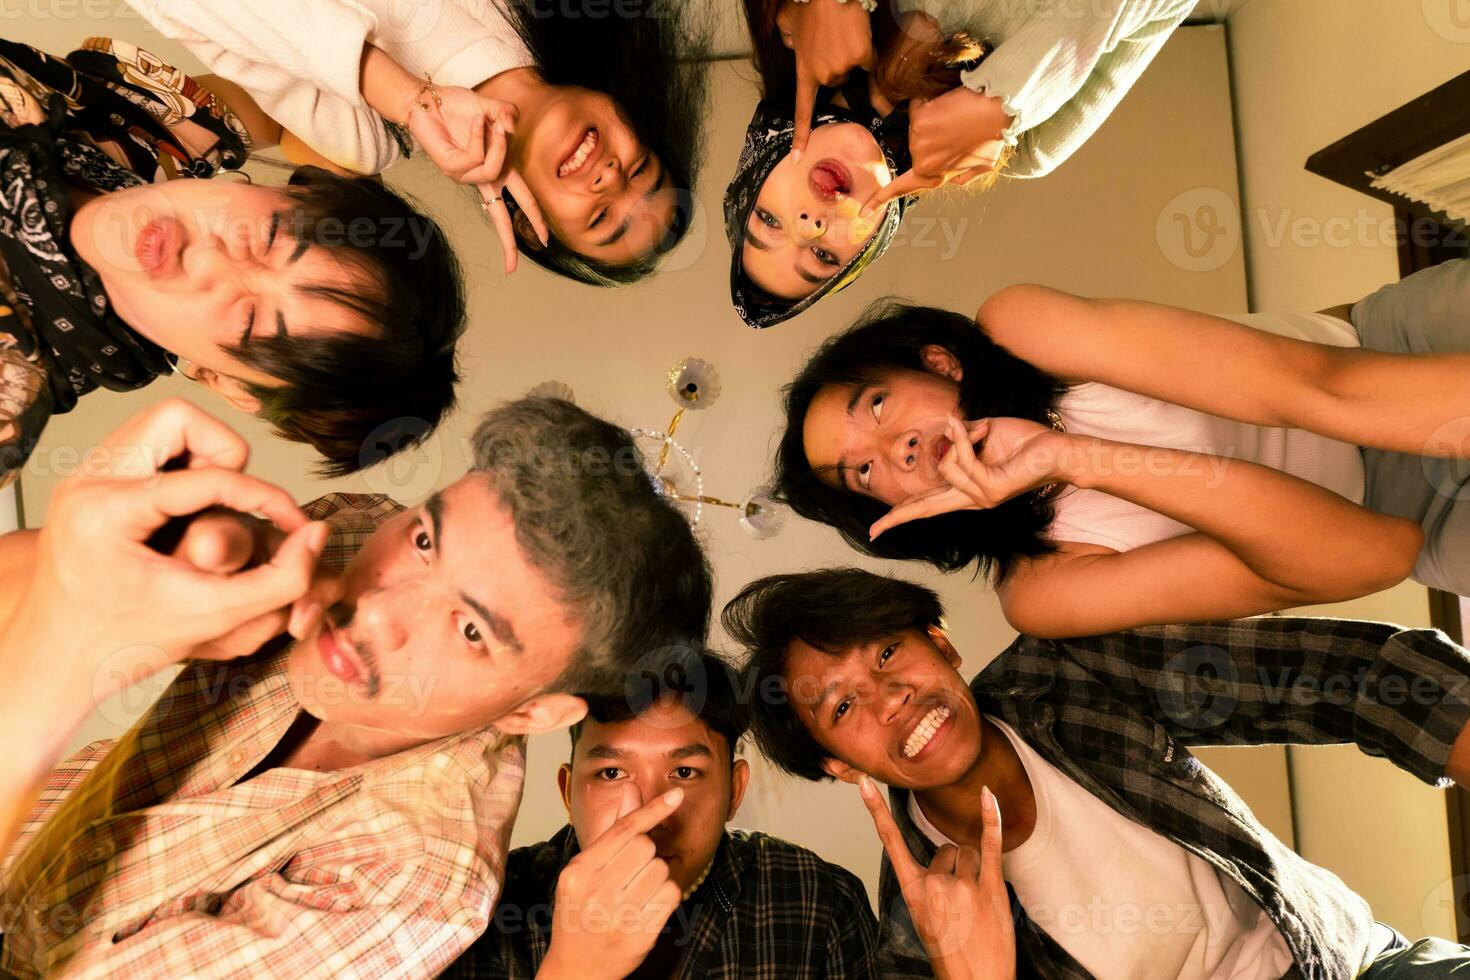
941,640
543,713
784,25
940,360
564,783
739,781
526,237
232,390
841,770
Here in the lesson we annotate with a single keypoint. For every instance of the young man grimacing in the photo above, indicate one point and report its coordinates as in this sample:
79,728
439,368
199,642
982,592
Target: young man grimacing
1124,856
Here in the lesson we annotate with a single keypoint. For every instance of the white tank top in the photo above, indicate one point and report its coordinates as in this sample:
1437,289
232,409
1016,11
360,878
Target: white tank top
1094,517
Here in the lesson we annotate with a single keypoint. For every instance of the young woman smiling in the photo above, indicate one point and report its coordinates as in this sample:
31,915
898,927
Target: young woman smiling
329,307
582,126
1115,464
988,87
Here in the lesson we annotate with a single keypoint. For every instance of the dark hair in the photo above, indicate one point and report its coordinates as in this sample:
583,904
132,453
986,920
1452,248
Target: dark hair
834,611
890,335
588,515
358,399
701,681
650,60
933,75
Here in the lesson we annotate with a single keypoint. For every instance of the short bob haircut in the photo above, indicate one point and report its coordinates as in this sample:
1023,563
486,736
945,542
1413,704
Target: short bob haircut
889,336
358,399
699,680
649,57
834,610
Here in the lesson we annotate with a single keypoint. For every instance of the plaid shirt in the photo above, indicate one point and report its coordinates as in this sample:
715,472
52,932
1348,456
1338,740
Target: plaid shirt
384,869
1115,713
769,910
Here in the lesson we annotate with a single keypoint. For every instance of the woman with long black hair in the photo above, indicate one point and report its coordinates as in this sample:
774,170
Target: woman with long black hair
1112,464
950,91
581,123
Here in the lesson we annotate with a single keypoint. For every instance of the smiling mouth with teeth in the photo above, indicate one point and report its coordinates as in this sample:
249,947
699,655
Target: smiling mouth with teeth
579,156
924,731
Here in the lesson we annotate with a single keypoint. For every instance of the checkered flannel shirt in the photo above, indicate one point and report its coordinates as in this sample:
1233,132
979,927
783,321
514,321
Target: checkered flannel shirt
768,910
388,869
1116,713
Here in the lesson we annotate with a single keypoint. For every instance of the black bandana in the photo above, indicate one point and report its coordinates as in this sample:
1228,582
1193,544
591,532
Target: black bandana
81,341
767,142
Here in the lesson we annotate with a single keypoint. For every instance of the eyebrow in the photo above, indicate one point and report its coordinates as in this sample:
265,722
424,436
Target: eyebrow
689,751
814,280
622,229
499,625
754,242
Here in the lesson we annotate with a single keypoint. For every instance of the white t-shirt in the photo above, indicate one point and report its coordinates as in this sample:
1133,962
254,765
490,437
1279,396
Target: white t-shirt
1091,409
1122,900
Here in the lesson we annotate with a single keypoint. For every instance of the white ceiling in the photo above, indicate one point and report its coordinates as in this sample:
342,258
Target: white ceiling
731,39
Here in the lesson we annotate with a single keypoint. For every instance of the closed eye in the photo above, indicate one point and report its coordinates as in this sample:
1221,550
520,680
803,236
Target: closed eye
249,325
599,218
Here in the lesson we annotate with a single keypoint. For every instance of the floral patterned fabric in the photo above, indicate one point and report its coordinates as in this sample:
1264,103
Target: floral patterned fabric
107,117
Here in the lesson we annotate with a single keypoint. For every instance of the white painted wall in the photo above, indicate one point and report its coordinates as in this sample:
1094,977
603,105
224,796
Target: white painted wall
1306,73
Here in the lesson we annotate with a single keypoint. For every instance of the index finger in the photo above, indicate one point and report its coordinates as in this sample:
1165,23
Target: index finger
908,182
140,446
904,865
187,492
942,501
806,105
640,821
499,216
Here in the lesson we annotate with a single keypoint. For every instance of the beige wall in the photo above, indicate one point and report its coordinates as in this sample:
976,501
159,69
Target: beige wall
1306,73
1100,225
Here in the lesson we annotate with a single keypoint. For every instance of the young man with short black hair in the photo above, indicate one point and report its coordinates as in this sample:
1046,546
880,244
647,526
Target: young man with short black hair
666,890
1123,854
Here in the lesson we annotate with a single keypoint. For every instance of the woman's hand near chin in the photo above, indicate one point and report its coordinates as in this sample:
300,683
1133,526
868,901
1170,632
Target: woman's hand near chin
1016,456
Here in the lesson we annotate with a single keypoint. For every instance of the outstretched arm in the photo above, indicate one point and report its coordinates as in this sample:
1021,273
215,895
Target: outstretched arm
1409,403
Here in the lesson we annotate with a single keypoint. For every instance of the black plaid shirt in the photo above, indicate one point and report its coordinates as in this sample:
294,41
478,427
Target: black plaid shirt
1115,713
768,910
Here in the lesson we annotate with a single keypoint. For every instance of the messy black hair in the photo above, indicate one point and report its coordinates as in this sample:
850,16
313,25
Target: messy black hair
891,335
358,398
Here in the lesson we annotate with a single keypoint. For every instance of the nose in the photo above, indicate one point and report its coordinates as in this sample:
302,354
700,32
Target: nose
609,175
892,699
906,449
379,622
811,225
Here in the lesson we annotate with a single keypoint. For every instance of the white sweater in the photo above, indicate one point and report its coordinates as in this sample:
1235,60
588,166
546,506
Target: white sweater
1059,67
300,59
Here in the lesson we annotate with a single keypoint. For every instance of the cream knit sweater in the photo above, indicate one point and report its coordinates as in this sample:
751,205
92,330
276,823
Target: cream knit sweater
300,59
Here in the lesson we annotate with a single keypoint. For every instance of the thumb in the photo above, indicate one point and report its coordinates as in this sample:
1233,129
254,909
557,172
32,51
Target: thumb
908,182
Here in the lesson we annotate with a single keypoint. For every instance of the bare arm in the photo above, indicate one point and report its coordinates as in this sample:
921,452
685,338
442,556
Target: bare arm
1265,541
1411,403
